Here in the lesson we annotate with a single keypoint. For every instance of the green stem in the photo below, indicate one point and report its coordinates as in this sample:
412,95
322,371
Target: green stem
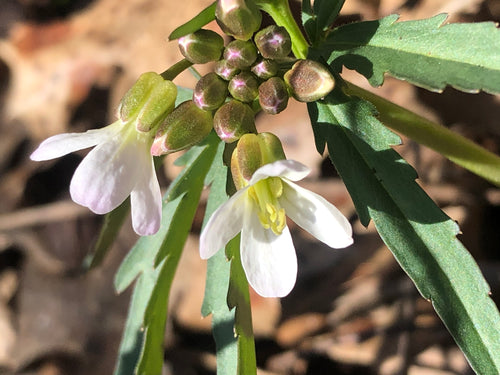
453,146
280,11
239,297
176,69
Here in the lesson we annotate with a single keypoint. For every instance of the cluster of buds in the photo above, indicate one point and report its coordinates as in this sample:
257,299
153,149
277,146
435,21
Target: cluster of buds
251,73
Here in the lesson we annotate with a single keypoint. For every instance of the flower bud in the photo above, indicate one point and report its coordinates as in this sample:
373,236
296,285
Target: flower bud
252,152
210,92
273,42
238,18
273,95
234,119
240,54
184,127
224,70
148,101
309,80
265,68
244,87
202,46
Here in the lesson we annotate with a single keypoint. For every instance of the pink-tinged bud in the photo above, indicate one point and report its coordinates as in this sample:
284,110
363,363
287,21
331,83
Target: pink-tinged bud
240,54
273,95
309,81
238,18
273,42
224,70
210,92
252,152
244,87
186,126
202,46
265,68
148,101
234,119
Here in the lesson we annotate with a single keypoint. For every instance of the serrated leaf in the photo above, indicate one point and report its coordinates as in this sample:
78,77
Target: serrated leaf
455,147
201,19
424,52
167,257
421,237
217,281
144,348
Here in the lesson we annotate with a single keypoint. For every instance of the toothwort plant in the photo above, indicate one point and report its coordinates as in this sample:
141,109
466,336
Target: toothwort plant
252,184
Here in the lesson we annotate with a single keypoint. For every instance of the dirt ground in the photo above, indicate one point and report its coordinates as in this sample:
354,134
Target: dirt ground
64,66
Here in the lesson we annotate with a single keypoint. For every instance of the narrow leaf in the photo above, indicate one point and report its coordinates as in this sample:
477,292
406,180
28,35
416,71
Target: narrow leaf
189,187
424,52
133,335
421,237
113,221
201,19
455,147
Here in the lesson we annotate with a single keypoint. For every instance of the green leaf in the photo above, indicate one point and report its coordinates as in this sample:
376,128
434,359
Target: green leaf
239,298
113,221
455,147
201,19
217,283
133,335
320,17
188,187
166,245
421,237
425,52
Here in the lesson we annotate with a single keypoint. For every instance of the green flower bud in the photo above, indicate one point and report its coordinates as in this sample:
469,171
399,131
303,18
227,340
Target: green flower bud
252,152
273,42
273,95
238,18
244,87
202,46
309,81
210,92
224,70
233,119
240,54
265,68
148,101
184,127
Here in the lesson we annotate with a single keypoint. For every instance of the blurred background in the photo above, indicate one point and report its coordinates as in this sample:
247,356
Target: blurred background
64,65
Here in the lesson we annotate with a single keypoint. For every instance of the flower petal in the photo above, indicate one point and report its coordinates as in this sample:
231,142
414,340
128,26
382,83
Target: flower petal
289,169
62,144
145,199
106,176
224,224
316,215
269,261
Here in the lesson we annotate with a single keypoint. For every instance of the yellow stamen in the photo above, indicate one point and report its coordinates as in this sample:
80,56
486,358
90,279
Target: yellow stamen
265,193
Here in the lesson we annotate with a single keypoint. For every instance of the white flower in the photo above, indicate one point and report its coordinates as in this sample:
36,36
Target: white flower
258,212
120,165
